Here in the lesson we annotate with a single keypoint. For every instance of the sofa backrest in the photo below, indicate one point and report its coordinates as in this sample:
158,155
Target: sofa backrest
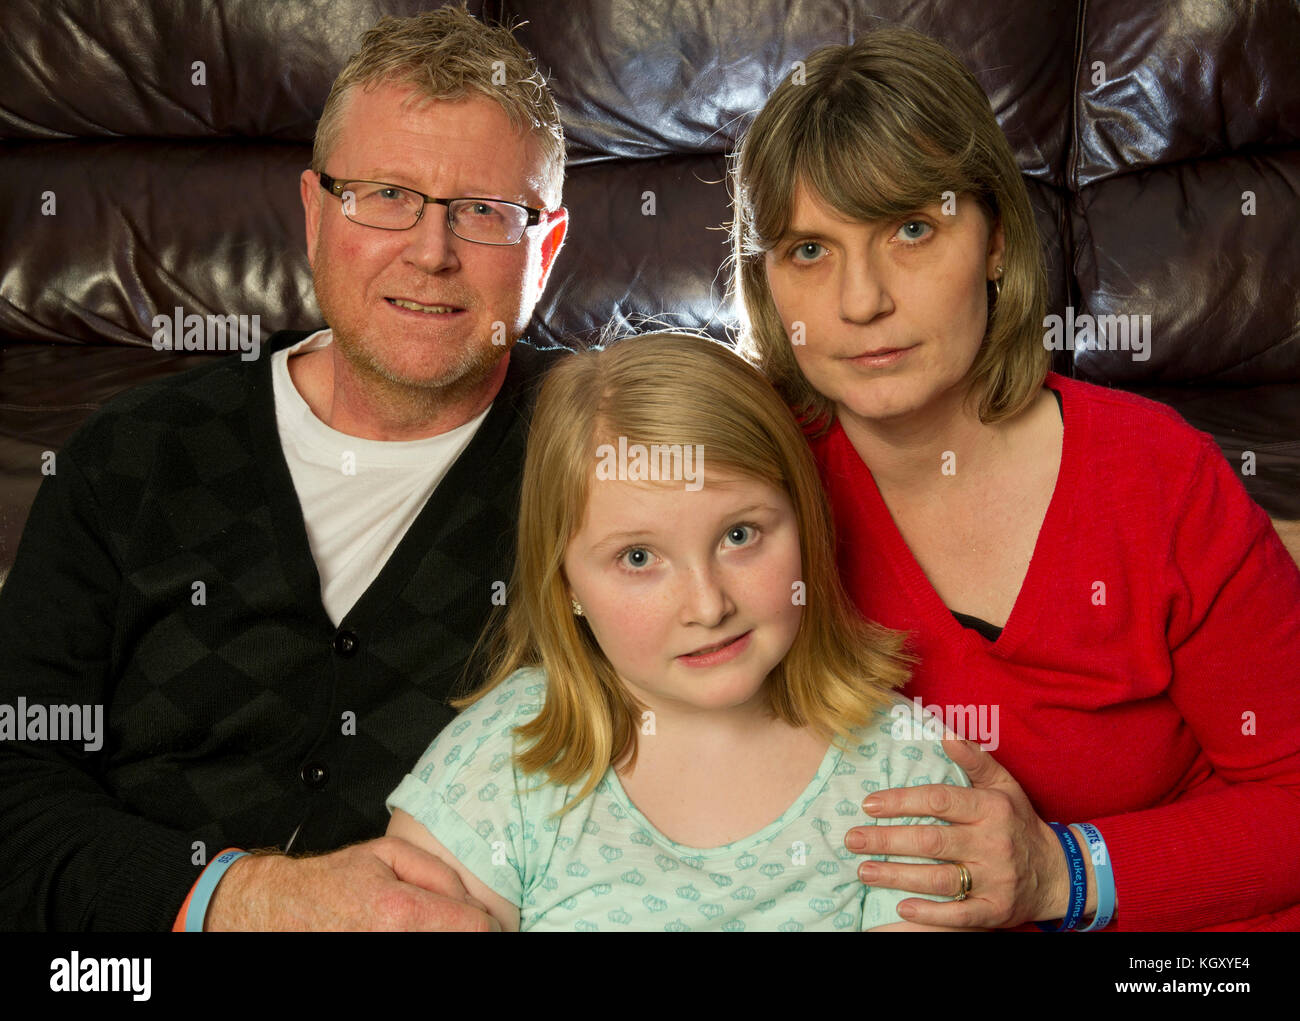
1160,143
151,154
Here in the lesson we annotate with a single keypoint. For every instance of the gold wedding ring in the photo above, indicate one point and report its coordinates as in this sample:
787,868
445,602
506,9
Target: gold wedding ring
964,876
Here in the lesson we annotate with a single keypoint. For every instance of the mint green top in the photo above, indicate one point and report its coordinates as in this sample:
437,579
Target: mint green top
604,867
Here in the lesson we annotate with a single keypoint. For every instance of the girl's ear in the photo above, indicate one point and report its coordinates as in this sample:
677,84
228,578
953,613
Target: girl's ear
570,595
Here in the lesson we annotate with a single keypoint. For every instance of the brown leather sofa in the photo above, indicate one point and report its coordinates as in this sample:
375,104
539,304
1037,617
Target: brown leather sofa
151,152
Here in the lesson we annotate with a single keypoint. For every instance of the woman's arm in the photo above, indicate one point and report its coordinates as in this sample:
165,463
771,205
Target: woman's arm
1219,853
1225,850
402,825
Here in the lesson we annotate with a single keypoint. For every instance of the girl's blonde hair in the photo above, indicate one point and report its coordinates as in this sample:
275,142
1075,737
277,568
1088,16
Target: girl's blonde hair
879,130
668,388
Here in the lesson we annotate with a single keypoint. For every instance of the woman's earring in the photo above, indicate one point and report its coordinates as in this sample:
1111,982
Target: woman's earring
997,281
577,606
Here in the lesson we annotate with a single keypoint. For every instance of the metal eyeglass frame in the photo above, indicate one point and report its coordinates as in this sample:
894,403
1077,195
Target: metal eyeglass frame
336,188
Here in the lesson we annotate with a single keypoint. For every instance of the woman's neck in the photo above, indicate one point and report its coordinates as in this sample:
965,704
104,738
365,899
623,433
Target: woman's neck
927,448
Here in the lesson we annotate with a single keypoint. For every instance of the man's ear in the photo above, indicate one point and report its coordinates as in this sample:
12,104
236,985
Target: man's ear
552,242
309,187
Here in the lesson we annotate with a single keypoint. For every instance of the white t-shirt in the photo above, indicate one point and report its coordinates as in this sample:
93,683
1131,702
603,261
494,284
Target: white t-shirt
358,496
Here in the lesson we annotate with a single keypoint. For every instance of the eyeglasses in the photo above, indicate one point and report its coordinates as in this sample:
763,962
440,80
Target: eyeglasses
388,207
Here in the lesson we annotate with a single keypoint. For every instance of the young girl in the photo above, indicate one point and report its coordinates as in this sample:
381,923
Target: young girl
684,712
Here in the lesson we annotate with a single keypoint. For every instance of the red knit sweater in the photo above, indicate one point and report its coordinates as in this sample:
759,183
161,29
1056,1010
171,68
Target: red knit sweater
1168,715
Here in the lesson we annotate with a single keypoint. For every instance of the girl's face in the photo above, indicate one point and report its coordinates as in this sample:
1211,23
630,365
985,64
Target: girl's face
691,594
886,317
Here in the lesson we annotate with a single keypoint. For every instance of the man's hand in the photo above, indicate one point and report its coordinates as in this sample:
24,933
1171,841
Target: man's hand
1017,868
381,884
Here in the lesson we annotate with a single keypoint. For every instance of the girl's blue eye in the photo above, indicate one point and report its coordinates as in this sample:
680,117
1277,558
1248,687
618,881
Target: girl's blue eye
636,557
806,252
741,535
914,230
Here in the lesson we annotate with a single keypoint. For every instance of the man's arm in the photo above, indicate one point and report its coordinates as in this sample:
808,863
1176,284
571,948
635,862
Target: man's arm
72,856
381,884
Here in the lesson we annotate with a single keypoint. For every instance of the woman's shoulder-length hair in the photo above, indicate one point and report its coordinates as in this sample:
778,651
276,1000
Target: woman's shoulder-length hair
879,130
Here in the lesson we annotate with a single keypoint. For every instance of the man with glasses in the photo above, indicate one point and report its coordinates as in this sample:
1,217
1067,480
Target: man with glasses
271,574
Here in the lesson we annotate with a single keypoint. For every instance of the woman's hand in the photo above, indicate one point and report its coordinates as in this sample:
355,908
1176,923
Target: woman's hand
1016,864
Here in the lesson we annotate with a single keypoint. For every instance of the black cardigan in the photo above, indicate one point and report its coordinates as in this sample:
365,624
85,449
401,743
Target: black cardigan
228,708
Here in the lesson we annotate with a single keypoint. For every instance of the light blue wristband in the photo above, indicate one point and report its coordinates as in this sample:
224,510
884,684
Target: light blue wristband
1104,874
206,886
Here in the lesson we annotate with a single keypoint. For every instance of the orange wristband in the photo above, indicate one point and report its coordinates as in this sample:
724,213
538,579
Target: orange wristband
179,924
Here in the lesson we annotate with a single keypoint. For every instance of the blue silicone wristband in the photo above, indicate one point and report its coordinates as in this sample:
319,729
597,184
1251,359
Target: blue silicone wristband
1104,874
206,886
1078,879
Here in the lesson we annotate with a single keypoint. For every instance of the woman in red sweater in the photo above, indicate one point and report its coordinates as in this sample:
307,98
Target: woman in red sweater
1091,593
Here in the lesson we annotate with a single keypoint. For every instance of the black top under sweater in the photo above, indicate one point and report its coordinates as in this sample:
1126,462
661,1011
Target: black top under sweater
228,722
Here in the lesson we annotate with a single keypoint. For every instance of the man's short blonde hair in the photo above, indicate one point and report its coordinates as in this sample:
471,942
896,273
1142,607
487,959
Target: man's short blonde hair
448,54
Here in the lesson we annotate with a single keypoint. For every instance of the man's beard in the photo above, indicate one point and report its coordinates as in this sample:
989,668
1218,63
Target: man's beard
462,376
457,379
